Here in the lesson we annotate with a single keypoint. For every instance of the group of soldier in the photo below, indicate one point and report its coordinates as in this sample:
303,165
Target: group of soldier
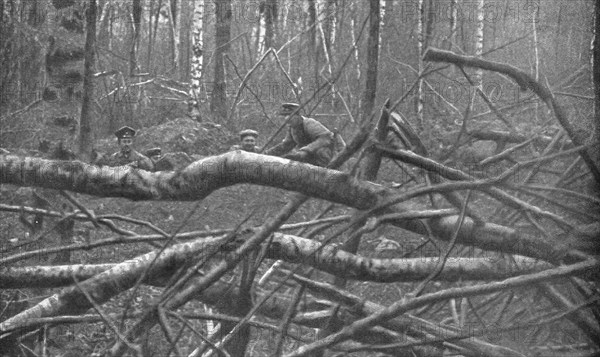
306,140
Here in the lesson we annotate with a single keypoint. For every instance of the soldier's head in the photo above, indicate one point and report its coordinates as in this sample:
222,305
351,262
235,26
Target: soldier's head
288,109
248,139
125,137
154,154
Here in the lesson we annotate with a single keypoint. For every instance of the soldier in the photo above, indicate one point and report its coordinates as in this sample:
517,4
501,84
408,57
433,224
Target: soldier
161,163
154,154
307,140
247,141
127,155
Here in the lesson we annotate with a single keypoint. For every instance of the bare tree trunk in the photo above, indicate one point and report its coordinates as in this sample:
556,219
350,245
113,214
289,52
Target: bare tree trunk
453,23
218,103
86,137
312,33
372,59
136,15
185,24
420,48
149,48
105,19
373,159
270,15
536,63
196,68
478,78
153,32
174,31
596,74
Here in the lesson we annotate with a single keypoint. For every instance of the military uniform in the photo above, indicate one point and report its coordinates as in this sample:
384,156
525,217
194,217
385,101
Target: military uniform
310,140
133,159
129,157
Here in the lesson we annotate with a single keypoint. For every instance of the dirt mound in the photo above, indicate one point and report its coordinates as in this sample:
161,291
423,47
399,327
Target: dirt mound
179,135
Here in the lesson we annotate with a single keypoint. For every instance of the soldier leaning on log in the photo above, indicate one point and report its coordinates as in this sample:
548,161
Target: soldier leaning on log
307,140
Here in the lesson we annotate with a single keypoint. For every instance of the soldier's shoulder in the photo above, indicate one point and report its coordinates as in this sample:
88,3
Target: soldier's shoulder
314,124
137,155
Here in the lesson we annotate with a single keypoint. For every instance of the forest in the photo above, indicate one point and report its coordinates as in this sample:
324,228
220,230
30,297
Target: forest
457,215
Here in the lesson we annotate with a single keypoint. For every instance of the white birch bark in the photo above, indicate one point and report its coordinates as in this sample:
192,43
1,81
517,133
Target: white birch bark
197,55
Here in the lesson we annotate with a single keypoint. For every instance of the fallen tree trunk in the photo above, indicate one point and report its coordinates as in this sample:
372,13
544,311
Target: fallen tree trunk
411,329
300,250
203,177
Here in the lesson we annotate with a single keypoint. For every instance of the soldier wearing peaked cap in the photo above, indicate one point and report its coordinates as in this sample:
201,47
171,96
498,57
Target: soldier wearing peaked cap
160,162
247,141
306,140
127,155
154,154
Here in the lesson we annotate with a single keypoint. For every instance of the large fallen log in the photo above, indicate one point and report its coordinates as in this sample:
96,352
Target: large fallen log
205,176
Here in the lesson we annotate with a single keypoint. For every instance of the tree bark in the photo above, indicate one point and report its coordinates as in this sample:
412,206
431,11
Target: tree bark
312,41
86,135
136,15
185,30
370,93
296,249
201,178
596,71
218,104
270,12
196,69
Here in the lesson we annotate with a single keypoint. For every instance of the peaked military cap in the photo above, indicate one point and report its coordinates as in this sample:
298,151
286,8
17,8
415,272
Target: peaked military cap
248,132
153,152
125,132
288,108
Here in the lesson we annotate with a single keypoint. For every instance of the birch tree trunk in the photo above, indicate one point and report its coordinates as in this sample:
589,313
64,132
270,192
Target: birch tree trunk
478,77
197,57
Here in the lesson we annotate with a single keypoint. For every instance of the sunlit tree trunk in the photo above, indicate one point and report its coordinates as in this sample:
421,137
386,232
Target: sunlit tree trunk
197,57
218,103
478,78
